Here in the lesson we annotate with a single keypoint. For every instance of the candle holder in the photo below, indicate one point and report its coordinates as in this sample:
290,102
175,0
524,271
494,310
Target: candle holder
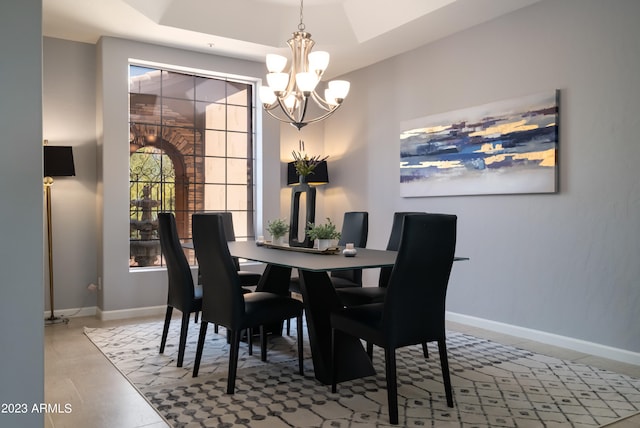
349,250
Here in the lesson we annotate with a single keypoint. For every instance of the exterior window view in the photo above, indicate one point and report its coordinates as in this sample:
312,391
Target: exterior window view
191,150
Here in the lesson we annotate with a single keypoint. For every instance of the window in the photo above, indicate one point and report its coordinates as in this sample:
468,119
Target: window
191,140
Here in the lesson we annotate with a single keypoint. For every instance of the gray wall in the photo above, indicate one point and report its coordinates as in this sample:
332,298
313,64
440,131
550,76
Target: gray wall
21,211
567,263
69,100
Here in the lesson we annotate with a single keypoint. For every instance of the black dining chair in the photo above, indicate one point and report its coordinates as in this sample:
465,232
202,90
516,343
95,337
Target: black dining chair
183,294
413,311
364,295
223,301
355,229
247,278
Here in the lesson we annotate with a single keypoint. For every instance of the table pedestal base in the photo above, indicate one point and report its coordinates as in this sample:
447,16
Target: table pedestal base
320,299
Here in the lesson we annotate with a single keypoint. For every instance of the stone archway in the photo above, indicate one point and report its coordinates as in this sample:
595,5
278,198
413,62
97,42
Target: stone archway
184,147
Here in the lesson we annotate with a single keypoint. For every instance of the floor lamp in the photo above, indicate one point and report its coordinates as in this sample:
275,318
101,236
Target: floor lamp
58,162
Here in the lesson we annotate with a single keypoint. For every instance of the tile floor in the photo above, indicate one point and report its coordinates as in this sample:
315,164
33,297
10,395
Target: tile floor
77,373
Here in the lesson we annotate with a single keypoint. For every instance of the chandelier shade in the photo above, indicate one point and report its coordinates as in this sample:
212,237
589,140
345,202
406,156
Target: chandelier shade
287,96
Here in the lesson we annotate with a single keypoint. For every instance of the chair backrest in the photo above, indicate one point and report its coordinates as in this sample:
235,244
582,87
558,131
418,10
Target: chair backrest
222,301
227,222
355,228
181,287
414,306
229,233
394,243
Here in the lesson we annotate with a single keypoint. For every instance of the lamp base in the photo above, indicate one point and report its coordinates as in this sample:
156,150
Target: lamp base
51,320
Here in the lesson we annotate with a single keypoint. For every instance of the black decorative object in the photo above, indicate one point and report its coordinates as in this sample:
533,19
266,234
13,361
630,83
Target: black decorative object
310,194
304,173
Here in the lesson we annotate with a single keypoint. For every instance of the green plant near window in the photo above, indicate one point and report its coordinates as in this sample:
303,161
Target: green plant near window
323,231
277,228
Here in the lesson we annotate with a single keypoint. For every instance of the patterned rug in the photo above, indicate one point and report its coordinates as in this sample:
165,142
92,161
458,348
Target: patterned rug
494,385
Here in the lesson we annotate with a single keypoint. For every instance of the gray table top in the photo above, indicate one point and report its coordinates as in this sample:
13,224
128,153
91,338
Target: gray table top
366,258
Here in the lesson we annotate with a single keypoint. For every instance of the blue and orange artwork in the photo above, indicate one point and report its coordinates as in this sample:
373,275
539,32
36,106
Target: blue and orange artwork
503,147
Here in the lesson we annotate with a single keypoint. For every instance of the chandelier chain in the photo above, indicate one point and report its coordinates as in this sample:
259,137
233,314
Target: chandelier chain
301,24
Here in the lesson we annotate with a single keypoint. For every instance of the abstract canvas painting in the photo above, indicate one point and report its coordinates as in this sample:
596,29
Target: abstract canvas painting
503,147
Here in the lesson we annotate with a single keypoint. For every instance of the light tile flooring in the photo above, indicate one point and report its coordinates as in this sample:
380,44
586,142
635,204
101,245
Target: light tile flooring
77,373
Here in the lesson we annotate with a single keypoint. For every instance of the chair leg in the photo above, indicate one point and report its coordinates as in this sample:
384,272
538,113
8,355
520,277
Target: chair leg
370,350
288,327
233,361
184,327
195,317
444,363
250,340
215,328
263,344
201,337
300,348
425,350
334,362
165,329
392,384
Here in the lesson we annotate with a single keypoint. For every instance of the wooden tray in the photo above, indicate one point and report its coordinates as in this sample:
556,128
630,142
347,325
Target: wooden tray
330,250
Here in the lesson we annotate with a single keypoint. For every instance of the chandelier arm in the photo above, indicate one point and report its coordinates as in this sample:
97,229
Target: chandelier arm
322,117
291,84
321,102
304,110
273,115
268,107
291,122
300,124
285,110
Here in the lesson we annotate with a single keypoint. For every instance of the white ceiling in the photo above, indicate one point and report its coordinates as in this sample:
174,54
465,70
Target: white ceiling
356,33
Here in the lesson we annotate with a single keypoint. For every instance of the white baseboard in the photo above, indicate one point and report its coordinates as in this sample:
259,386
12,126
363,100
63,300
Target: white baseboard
108,315
73,312
131,313
579,345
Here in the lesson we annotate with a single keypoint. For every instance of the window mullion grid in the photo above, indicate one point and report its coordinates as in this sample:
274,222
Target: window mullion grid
191,177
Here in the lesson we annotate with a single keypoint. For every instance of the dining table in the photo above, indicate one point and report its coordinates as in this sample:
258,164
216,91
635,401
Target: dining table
319,298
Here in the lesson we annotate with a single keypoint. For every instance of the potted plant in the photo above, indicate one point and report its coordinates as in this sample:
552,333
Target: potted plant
277,229
323,233
305,165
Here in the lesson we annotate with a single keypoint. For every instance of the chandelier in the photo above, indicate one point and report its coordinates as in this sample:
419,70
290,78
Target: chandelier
292,90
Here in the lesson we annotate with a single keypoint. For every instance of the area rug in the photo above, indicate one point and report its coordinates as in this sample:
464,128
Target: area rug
494,385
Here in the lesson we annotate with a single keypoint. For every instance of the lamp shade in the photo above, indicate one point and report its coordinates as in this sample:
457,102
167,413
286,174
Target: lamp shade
320,174
58,161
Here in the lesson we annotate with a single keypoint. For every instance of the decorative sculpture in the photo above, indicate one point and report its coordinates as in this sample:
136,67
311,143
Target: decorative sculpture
145,251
